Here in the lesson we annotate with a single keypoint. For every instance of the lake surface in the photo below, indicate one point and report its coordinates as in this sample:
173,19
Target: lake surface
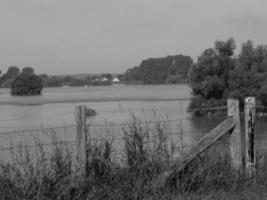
55,108
112,103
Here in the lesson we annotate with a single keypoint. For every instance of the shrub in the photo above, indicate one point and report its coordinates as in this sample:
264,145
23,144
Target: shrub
27,84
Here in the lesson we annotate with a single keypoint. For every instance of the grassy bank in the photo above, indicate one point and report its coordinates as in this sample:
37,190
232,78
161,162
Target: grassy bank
135,176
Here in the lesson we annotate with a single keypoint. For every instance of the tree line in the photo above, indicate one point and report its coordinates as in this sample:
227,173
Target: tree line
72,81
218,74
59,80
170,69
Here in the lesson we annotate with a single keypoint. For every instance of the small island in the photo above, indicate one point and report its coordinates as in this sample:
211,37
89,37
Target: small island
90,112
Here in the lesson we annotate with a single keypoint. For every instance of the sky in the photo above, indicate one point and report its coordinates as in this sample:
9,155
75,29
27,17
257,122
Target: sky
110,36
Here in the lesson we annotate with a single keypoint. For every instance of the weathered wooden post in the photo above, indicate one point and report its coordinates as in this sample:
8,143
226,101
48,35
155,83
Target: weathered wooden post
235,140
250,112
81,139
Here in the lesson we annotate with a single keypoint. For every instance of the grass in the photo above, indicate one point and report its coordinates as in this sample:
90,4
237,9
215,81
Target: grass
54,176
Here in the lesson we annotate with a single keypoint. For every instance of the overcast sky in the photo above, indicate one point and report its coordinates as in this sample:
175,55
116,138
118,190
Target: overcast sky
96,36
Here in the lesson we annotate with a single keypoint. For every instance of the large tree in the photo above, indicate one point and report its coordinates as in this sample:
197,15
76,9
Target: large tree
27,83
248,77
218,75
210,75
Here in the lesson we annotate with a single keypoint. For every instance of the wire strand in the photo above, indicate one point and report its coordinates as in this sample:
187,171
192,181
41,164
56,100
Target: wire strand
208,108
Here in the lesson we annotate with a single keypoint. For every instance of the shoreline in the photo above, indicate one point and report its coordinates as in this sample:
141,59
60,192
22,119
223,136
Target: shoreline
85,100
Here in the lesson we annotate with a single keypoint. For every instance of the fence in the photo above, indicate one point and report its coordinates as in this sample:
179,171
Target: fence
181,132
177,131
76,137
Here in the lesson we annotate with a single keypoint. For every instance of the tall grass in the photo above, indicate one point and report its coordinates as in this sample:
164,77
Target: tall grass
148,152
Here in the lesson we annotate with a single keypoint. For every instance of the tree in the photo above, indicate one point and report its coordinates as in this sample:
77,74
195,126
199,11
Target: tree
12,72
247,79
161,70
27,84
28,70
43,76
51,81
108,76
9,76
210,75
172,79
218,76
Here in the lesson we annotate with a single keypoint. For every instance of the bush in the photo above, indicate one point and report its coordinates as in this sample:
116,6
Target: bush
27,84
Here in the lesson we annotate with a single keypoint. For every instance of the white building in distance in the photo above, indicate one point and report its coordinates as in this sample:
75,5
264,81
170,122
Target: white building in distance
115,80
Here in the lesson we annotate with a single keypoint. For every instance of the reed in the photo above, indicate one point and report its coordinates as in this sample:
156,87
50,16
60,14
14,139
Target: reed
147,152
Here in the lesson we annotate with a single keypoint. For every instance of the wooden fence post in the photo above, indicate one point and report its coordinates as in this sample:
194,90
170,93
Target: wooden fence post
81,139
235,141
250,112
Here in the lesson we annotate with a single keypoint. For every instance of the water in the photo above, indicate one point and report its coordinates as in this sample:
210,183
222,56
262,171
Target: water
113,104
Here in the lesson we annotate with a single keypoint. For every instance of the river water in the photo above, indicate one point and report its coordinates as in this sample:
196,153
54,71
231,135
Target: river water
113,104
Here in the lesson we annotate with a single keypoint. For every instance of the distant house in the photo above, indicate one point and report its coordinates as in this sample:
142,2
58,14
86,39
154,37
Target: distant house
104,79
115,80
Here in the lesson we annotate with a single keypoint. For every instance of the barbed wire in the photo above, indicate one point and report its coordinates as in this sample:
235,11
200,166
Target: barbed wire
141,122
10,119
122,125
219,108
178,133
108,139
42,129
27,146
208,108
